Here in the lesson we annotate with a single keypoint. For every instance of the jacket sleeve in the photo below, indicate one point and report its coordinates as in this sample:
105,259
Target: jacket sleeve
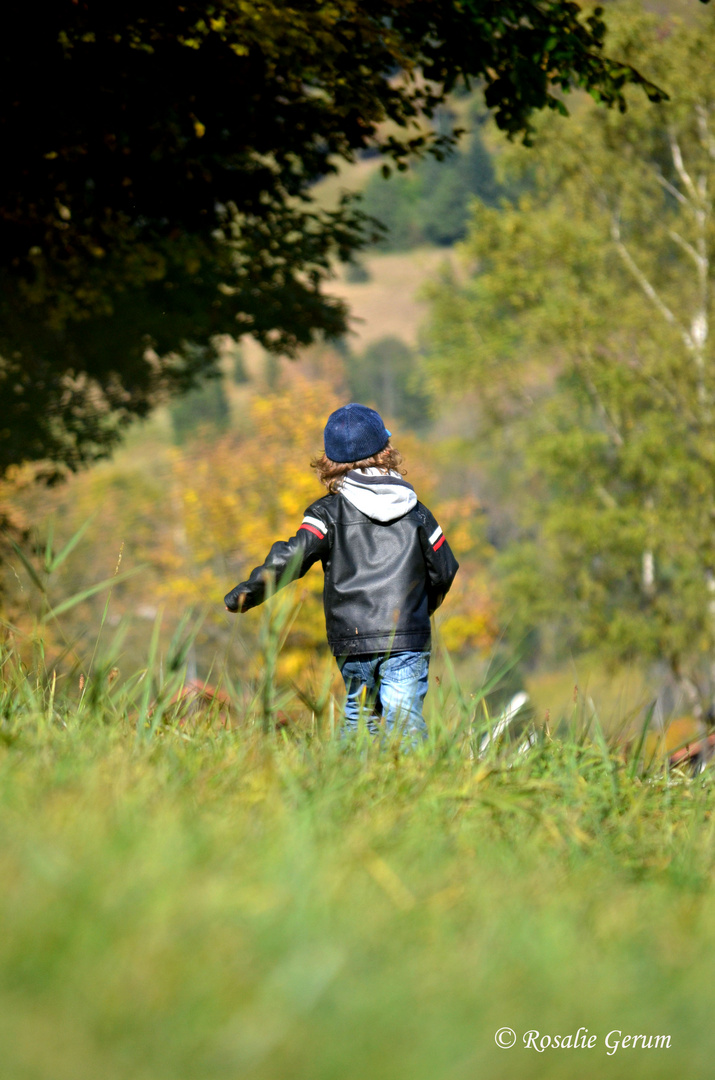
286,561
441,563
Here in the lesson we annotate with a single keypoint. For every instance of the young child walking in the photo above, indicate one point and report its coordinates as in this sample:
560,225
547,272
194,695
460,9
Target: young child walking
387,568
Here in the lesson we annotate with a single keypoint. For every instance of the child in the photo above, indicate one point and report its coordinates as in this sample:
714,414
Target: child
387,568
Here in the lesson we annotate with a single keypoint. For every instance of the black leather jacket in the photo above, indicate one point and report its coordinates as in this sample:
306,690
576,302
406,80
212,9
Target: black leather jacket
382,580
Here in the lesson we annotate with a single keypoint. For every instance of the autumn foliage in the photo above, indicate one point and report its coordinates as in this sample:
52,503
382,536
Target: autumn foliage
195,519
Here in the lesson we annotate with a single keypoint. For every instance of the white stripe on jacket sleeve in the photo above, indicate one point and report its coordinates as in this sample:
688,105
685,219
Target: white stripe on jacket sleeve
435,535
307,520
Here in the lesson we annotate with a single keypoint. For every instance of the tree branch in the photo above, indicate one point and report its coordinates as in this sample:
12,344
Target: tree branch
597,400
671,189
680,166
646,285
706,138
699,260
606,497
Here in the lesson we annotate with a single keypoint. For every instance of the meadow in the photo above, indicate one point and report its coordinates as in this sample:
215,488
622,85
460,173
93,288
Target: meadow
207,893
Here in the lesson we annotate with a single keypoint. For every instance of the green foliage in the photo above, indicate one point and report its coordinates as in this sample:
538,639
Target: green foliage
586,331
159,194
430,202
385,376
207,407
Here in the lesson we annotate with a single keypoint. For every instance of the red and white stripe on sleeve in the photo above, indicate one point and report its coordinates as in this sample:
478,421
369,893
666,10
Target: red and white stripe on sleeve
437,539
314,525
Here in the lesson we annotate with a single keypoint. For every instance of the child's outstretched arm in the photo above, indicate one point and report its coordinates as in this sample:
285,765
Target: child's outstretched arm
286,561
441,563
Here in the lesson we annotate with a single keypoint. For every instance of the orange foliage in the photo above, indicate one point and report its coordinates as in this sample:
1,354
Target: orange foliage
469,618
235,496
12,515
204,515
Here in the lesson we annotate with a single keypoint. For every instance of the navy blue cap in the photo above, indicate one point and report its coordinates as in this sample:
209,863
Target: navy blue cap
354,433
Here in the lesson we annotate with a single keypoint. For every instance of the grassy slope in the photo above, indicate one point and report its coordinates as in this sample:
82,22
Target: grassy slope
389,304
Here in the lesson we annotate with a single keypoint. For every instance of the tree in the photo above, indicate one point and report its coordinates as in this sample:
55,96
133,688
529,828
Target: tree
586,329
385,376
157,171
430,203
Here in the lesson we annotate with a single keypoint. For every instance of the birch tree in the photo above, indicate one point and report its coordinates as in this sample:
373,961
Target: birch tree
585,325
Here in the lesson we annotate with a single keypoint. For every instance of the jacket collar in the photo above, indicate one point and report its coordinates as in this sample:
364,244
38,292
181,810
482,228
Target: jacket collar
381,496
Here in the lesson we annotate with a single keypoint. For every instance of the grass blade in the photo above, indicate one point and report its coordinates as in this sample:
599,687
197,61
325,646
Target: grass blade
51,564
67,605
27,564
641,740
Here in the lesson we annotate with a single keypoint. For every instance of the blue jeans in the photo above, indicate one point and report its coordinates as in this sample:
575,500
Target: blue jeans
389,686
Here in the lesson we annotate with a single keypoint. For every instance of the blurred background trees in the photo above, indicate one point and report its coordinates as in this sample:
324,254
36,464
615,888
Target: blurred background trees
387,375
429,203
585,327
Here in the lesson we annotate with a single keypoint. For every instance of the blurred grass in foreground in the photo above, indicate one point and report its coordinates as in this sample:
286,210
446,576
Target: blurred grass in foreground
220,905
182,899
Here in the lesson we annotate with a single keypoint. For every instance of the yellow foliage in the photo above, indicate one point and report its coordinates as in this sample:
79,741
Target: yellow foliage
238,495
476,630
13,514
204,515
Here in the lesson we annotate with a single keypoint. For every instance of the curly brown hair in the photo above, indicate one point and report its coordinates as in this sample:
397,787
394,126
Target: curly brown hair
332,473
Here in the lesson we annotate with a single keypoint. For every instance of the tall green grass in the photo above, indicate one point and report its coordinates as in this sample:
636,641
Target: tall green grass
186,896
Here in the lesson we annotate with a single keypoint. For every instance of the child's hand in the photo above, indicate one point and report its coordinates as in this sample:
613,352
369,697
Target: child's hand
239,604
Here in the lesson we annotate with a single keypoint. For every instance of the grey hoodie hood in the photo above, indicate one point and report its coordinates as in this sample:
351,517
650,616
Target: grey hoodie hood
380,496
